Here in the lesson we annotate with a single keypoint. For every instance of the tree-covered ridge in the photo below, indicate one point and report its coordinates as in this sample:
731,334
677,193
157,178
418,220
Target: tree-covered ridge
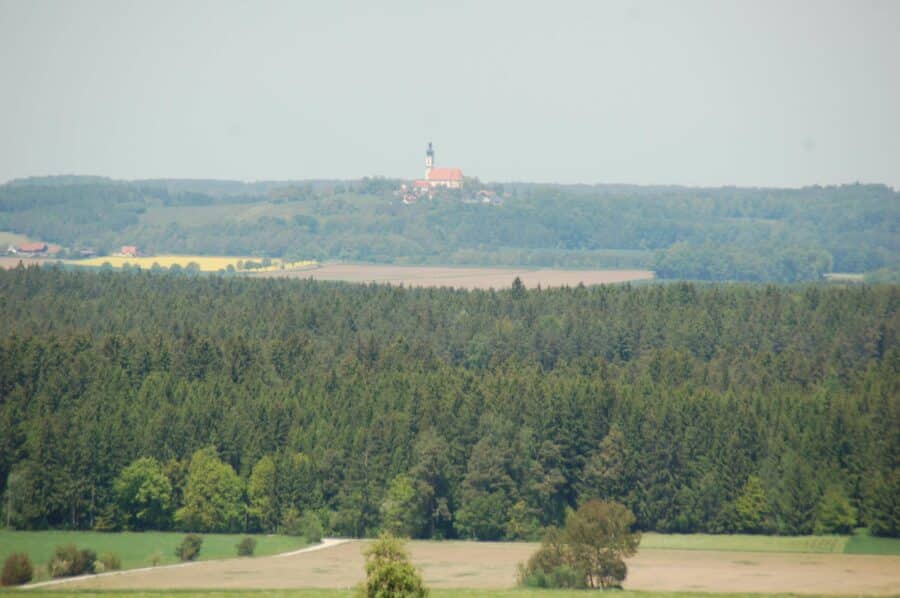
446,413
779,235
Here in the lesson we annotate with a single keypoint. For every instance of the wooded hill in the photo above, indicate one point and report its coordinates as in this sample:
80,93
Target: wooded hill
241,404
776,235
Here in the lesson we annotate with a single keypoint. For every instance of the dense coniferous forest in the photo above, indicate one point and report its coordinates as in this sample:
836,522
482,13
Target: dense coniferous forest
140,400
772,235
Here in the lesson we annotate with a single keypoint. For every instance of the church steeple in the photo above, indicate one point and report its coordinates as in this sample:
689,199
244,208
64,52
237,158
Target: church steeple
429,160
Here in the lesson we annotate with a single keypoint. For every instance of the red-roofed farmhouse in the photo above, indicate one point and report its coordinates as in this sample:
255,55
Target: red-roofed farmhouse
32,248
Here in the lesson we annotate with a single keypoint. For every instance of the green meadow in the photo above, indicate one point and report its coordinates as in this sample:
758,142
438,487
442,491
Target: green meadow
859,543
747,543
136,549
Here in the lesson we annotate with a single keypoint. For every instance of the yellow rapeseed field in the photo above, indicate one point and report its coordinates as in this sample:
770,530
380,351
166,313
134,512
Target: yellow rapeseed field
206,263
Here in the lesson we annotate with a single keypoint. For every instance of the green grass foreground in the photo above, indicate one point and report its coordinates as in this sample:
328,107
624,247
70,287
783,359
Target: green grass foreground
136,549
515,593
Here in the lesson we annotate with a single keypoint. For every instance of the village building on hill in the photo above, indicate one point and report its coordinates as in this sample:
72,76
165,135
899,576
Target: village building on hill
129,251
451,178
435,178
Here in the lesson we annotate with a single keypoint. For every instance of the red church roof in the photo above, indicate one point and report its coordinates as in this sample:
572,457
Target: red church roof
445,174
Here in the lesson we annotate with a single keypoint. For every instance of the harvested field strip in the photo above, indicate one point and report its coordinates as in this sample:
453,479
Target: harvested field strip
463,277
492,566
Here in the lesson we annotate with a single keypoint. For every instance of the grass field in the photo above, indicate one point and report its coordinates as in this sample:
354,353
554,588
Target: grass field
750,543
134,548
862,543
206,263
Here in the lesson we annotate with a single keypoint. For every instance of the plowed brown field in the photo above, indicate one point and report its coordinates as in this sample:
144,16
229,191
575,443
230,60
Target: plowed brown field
493,565
460,278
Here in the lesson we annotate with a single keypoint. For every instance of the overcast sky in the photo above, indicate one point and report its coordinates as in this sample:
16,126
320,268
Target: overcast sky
698,93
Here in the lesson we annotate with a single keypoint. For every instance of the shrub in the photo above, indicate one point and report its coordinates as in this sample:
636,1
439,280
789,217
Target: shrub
550,566
389,572
246,546
562,576
189,549
68,561
17,570
155,559
111,561
312,527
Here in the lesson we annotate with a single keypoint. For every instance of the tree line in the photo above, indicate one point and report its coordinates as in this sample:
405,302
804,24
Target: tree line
141,400
771,235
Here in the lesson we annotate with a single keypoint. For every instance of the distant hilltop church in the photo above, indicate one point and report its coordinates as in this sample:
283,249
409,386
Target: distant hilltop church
451,178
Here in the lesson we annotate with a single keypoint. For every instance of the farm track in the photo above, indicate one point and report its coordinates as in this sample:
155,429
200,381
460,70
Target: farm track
493,566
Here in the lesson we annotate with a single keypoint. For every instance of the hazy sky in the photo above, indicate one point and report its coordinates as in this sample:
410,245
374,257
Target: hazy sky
699,93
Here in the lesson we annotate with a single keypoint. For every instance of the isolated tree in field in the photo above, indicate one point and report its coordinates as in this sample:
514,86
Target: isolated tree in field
599,537
213,496
389,574
588,552
144,495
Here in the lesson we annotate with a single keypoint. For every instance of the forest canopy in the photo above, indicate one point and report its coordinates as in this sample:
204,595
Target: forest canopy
140,400
773,235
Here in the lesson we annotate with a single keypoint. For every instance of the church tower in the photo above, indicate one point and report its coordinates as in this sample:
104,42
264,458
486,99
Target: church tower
429,161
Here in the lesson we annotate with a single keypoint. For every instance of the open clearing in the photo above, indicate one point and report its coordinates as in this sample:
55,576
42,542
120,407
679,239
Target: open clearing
487,565
461,278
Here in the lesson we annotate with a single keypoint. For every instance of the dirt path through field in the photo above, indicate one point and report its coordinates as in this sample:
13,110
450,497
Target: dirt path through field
460,278
493,565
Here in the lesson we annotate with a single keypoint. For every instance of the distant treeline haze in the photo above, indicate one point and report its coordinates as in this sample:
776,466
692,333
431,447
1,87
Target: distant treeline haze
778,235
141,400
